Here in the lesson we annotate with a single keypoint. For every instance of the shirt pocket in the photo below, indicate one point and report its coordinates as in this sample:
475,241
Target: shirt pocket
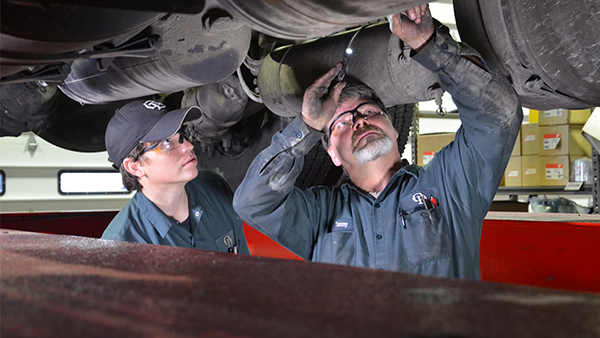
226,242
339,245
424,231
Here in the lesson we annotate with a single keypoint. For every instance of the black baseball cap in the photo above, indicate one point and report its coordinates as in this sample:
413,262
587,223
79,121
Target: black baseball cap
143,121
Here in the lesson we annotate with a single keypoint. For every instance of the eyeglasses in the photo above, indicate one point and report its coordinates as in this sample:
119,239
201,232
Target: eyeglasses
344,121
168,145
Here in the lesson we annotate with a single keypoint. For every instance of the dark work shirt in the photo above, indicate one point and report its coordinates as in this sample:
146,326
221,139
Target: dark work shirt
427,220
215,226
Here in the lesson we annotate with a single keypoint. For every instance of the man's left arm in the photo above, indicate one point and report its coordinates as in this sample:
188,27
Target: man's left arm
490,110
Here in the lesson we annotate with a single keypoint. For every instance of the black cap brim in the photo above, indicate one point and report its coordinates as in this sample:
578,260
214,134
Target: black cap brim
169,124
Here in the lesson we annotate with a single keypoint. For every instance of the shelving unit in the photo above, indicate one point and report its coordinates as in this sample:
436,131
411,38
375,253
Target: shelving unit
592,189
586,189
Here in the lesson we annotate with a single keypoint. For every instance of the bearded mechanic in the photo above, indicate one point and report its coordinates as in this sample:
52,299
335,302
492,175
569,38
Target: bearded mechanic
403,218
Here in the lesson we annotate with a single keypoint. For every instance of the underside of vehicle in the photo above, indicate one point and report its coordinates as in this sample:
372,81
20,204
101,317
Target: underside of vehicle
66,65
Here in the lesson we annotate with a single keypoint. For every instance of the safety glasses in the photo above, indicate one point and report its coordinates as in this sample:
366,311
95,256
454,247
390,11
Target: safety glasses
345,121
167,145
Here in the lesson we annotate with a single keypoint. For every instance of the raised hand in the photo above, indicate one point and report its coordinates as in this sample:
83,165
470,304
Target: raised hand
414,26
318,105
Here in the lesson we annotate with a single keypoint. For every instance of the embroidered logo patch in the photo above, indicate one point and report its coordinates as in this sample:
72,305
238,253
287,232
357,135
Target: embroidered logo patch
419,198
154,105
228,241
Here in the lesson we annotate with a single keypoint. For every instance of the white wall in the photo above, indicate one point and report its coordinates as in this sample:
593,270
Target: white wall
32,177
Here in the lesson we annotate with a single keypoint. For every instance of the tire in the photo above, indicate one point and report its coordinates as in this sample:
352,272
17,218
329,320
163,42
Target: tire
549,53
402,119
79,127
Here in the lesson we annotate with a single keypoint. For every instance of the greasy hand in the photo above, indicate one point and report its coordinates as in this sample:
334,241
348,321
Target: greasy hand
318,106
415,28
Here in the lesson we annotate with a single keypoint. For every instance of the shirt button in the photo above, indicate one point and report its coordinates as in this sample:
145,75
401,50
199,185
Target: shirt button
377,205
379,237
299,134
197,213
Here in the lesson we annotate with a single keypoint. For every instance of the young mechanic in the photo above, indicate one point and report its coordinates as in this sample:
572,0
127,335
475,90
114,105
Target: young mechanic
403,218
175,204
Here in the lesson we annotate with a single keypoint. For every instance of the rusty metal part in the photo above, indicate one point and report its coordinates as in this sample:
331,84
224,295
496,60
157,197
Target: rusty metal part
195,50
222,104
379,60
304,19
68,286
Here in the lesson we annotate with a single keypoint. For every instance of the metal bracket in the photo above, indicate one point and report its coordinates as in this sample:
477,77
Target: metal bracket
56,67
50,73
414,134
141,48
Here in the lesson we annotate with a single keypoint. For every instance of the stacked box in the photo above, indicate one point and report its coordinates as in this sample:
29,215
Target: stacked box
564,116
529,139
555,170
560,141
563,139
429,144
517,148
512,175
530,170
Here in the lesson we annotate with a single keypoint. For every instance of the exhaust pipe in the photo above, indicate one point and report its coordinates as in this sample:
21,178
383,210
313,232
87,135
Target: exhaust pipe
306,19
379,59
196,50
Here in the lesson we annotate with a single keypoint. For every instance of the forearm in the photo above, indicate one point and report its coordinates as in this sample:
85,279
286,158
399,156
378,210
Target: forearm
482,93
489,108
267,198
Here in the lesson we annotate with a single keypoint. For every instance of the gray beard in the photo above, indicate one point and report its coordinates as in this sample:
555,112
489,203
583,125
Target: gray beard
374,149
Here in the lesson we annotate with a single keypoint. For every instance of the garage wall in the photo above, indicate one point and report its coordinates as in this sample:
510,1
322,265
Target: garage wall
31,166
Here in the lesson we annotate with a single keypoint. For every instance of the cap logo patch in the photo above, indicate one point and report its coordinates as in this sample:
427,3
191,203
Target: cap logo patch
154,105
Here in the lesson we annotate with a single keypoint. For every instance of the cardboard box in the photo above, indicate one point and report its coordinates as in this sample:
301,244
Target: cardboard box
512,175
563,140
429,144
530,169
517,148
555,170
563,116
530,144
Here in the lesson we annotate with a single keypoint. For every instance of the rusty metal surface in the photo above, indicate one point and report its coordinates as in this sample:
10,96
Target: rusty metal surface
68,286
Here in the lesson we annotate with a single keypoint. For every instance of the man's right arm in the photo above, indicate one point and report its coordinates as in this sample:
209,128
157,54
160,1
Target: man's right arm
267,198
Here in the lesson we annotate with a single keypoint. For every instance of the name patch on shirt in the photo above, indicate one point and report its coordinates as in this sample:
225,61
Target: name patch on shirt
345,225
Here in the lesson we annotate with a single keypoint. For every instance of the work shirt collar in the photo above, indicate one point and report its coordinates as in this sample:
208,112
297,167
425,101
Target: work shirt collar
411,170
159,220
